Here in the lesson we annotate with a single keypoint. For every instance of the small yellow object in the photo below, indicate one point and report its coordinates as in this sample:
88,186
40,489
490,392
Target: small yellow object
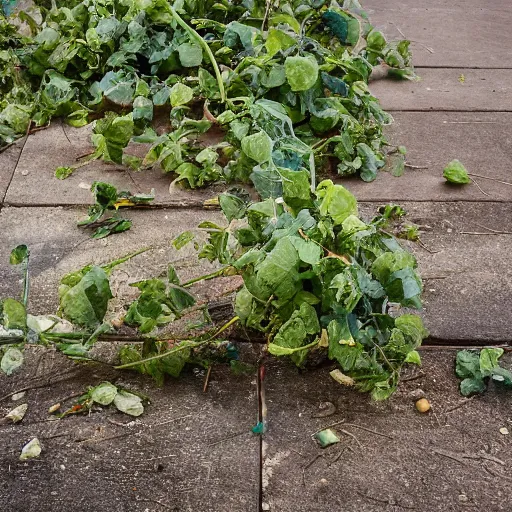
504,431
462,79
423,405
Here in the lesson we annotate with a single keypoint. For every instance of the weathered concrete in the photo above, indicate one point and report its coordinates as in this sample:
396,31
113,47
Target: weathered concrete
441,89
460,33
34,180
411,468
189,451
479,140
468,277
8,160
58,246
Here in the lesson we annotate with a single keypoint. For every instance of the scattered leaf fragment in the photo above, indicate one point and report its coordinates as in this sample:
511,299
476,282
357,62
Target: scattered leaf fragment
423,405
326,437
11,360
456,173
54,408
504,431
31,450
341,378
18,396
17,414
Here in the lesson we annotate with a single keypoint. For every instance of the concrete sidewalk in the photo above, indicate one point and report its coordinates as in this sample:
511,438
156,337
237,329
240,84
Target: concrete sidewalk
194,450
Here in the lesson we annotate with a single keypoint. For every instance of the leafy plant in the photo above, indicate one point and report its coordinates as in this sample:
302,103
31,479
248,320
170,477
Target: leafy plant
456,173
108,198
476,369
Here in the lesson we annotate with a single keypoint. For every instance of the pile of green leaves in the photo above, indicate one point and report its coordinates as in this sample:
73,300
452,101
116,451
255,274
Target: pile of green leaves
297,71
319,280
476,369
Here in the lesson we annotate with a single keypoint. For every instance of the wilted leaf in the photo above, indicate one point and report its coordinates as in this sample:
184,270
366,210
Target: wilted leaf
11,360
104,393
31,450
128,403
17,414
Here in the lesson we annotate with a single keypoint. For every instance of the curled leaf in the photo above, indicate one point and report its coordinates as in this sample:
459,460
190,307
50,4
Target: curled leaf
31,450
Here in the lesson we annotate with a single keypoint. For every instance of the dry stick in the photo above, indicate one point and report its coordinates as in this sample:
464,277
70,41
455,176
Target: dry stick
488,178
486,228
414,377
486,233
369,430
450,455
410,166
307,466
458,406
430,50
479,188
150,500
351,435
328,426
207,379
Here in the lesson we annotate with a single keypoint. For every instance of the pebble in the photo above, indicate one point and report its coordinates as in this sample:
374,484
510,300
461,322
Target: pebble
416,394
504,431
24,172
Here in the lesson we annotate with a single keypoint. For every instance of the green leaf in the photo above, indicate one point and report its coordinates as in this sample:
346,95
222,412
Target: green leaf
61,173
301,72
412,328
472,385
14,314
104,393
191,55
142,109
296,188
278,350
309,252
342,346
85,303
128,403
335,201
467,364
489,360
258,146
502,376
456,173
19,255
183,239
326,437
278,40
342,25
11,360
181,94
413,357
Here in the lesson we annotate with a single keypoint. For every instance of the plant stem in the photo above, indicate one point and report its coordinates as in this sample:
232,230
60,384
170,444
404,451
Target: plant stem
206,277
194,35
179,349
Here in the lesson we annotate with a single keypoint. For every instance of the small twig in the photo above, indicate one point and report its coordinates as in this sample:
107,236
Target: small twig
337,457
207,379
228,438
119,423
489,178
6,147
101,439
484,456
351,435
430,50
414,377
150,500
486,233
422,245
458,406
479,188
308,465
487,229
450,455
369,430
89,153
410,166
169,421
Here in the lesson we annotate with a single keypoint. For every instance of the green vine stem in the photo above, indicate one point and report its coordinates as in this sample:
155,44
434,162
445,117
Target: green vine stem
194,35
182,347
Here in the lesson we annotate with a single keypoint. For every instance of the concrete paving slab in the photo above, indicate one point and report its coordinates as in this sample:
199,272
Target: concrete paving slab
34,182
189,451
479,140
467,277
411,468
8,160
58,246
441,89
461,33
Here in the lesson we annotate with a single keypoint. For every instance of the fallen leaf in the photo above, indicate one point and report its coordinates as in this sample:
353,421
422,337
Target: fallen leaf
31,450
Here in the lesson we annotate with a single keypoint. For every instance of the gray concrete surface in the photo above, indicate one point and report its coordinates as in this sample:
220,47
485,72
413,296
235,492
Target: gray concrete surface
453,458
8,161
34,181
432,140
441,89
460,33
190,450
